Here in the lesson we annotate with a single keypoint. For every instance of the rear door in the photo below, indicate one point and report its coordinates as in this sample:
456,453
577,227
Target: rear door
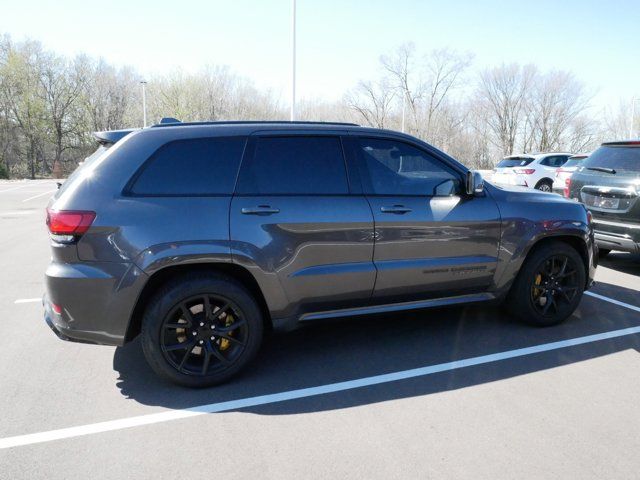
431,239
295,219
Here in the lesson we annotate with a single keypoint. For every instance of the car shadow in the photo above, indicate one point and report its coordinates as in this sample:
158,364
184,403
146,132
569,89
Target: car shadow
622,262
350,349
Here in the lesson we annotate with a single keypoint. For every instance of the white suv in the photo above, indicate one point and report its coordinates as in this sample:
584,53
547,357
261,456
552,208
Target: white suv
536,170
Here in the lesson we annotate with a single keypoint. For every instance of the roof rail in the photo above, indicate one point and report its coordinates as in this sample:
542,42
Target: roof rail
248,122
622,143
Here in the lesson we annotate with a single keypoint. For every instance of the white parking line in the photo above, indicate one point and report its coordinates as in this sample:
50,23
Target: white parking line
18,212
28,300
141,420
39,195
611,300
28,184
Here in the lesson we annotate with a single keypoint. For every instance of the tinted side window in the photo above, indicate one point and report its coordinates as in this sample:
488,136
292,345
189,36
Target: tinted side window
396,168
555,161
294,166
199,166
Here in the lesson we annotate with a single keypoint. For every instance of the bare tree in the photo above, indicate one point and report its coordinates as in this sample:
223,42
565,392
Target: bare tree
445,68
372,101
61,83
503,90
555,103
402,67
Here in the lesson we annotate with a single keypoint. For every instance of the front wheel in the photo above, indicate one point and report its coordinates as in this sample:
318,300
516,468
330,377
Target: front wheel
549,286
201,329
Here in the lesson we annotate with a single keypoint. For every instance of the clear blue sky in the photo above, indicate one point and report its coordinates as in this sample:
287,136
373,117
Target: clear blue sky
339,42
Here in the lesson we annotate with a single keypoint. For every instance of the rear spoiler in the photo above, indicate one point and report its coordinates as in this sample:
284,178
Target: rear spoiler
109,137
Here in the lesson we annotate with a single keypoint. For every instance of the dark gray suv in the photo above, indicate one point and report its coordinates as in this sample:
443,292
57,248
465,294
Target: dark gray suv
199,237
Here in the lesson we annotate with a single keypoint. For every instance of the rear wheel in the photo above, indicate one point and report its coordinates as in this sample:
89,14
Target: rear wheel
549,286
199,330
544,186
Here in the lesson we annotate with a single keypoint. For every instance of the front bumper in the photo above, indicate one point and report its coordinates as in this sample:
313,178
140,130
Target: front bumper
95,300
617,236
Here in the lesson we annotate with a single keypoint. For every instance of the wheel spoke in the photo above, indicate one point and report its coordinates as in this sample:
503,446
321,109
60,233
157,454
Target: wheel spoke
179,346
228,337
548,304
567,274
186,314
218,354
220,311
207,308
234,326
175,326
208,351
184,358
548,267
564,267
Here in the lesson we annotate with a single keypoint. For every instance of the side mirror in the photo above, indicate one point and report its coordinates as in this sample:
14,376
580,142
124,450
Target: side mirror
474,183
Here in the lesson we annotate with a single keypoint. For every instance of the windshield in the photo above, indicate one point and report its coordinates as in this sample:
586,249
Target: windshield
515,162
574,162
623,159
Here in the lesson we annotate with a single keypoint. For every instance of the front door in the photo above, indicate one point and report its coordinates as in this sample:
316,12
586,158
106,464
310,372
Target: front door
432,240
297,227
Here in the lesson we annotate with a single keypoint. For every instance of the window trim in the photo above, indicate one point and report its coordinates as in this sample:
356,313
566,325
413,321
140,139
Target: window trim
127,191
249,156
366,178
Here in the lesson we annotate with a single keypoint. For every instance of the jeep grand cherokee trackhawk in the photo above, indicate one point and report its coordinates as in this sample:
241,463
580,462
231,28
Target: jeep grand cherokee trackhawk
199,237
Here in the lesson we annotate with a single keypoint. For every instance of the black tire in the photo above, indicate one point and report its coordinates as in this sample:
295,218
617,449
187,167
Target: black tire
603,252
544,186
165,311
529,291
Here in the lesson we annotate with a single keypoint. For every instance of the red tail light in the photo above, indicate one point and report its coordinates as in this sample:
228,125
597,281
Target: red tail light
567,187
69,222
524,171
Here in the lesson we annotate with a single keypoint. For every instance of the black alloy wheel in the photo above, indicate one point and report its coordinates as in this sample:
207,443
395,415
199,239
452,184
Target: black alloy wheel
554,285
203,334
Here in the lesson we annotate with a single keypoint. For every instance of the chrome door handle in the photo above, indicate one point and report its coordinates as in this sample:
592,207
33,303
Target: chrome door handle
260,210
400,209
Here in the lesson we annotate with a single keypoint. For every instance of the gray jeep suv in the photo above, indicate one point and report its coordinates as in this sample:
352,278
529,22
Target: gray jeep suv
199,237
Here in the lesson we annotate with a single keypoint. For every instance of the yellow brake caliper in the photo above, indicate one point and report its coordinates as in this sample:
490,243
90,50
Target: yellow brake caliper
536,288
228,320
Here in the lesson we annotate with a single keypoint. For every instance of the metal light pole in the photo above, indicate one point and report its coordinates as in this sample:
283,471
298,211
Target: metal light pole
144,103
633,115
292,115
404,102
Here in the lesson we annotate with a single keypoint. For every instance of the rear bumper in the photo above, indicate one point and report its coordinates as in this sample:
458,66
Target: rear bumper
512,179
95,300
59,328
617,236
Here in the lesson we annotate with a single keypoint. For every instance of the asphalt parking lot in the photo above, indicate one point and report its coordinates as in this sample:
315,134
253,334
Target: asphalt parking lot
453,393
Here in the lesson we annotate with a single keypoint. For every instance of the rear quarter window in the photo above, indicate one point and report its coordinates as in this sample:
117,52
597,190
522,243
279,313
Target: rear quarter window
198,166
